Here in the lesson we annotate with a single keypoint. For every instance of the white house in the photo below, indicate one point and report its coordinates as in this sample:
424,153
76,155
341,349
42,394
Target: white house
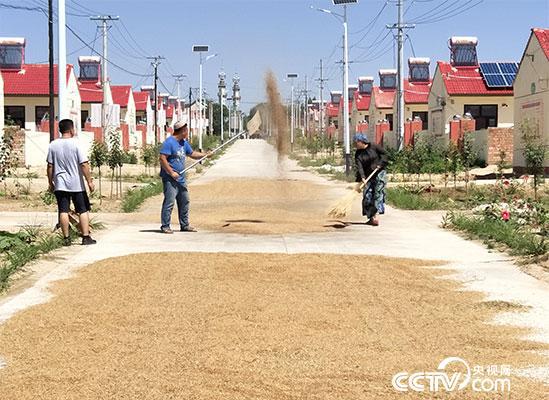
532,93
26,87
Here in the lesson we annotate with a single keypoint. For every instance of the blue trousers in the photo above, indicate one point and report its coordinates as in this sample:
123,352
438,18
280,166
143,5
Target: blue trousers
175,192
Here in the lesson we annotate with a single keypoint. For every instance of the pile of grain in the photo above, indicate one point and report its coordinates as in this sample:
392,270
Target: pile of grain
241,326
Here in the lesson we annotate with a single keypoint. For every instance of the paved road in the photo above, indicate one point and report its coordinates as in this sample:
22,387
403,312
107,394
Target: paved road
402,234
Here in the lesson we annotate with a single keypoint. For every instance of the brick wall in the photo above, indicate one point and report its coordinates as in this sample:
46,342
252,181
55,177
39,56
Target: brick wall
18,151
500,139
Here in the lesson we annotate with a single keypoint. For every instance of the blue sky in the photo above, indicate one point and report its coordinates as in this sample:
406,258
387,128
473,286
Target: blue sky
252,36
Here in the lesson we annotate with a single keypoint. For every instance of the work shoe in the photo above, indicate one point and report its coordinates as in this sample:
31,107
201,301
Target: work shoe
67,241
373,222
166,230
188,229
87,240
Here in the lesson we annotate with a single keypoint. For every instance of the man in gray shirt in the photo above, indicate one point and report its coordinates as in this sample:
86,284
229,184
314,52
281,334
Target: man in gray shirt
67,167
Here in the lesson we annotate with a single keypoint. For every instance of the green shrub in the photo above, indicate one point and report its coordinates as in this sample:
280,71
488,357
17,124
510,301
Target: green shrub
518,239
135,197
408,198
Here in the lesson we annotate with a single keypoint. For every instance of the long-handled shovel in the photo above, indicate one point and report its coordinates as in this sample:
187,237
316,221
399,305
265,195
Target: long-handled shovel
213,151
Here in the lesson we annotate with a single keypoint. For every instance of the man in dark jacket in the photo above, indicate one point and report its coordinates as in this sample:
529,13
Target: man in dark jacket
371,158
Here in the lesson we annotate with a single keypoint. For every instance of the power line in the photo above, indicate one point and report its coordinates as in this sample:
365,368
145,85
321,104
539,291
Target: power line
371,25
411,44
451,13
106,59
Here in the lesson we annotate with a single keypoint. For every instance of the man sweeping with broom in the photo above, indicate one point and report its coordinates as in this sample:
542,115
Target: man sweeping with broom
371,161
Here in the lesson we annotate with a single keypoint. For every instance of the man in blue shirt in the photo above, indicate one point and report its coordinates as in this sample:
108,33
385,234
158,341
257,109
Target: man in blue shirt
172,161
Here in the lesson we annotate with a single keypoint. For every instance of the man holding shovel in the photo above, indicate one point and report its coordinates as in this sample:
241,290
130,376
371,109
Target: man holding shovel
172,161
371,161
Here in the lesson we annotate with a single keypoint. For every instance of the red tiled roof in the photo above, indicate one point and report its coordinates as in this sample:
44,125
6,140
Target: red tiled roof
362,101
332,110
141,99
90,92
31,80
467,81
417,92
543,39
384,98
121,94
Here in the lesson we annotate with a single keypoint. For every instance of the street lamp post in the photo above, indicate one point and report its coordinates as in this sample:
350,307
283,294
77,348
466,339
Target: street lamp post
291,77
201,49
222,95
346,131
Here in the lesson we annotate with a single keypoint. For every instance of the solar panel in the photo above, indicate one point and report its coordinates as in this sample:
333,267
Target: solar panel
498,75
510,78
509,68
493,80
489,68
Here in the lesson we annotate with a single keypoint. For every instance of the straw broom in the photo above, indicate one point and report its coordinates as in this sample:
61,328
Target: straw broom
344,206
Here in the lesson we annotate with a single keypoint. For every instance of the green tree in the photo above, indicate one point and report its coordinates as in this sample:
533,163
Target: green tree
98,157
114,160
534,152
217,118
8,160
469,156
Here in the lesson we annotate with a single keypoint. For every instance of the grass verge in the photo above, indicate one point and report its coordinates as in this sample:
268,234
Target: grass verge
516,239
403,198
18,249
135,197
21,248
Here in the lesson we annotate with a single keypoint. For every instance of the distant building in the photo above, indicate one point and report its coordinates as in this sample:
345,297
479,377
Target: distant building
332,114
463,86
350,96
360,114
142,106
91,90
532,93
416,91
383,97
123,96
26,88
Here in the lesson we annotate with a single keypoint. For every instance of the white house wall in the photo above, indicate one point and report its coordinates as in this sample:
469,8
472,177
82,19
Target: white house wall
531,97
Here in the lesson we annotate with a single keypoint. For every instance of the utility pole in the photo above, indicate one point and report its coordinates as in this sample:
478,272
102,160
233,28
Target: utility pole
400,26
155,63
190,106
306,111
222,87
321,107
62,67
346,136
104,74
51,72
178,80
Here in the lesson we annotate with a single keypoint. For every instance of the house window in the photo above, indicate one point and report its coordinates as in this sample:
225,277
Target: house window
388,81
365,87
485,115
89,71
422,115
41,112
389,117
419,73
11,56
15,115
84,117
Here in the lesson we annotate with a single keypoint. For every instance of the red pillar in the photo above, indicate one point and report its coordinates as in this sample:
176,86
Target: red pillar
125,136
